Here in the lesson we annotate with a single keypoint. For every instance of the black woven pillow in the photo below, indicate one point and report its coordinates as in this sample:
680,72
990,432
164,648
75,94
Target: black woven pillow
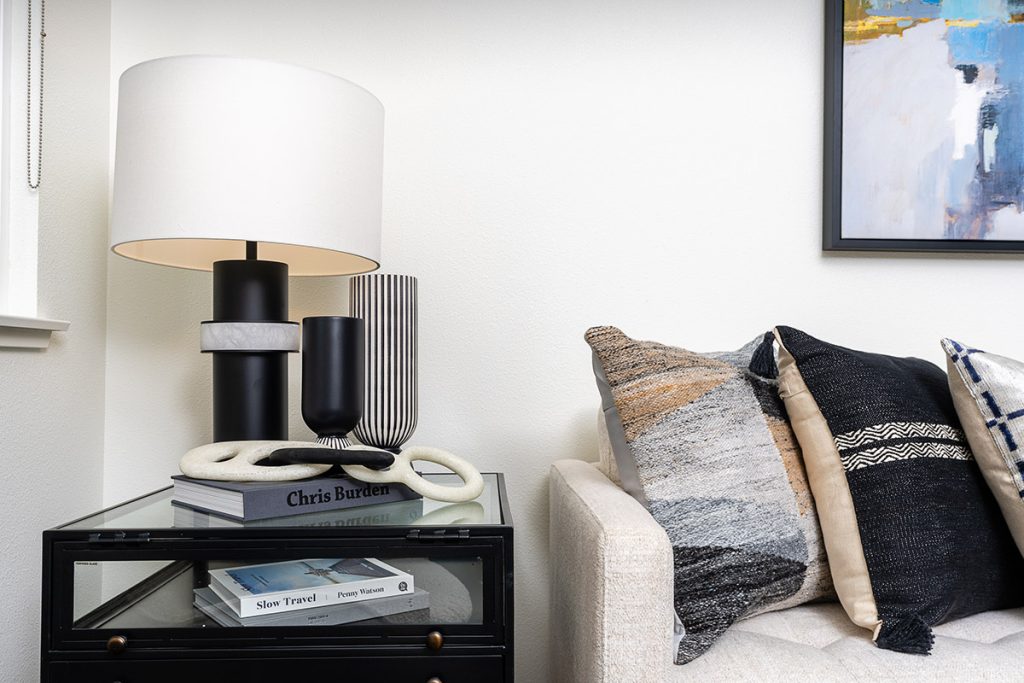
913,535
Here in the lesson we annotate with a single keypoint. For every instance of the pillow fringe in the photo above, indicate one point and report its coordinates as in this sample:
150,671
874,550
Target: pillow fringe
762,362
908,634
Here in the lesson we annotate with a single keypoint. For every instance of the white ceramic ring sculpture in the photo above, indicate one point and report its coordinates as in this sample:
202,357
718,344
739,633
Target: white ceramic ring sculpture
236,461
401,472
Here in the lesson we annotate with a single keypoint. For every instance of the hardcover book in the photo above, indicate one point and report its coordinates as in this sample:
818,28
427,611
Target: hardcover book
248,501
401,513
299,584
331,615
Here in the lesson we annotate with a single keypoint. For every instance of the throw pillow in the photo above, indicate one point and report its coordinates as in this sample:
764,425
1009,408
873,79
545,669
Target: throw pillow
914,537
988,392
704,443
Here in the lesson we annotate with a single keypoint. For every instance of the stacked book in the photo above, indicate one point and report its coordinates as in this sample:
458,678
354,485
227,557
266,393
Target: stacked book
247,501
401,513
312,592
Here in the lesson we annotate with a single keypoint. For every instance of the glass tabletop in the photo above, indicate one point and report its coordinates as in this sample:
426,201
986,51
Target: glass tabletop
157,511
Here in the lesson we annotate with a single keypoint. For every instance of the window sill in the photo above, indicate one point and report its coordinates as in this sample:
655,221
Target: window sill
17,332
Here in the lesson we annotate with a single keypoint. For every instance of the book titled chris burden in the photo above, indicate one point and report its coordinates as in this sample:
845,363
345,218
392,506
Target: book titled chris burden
400,513
247,501
301,584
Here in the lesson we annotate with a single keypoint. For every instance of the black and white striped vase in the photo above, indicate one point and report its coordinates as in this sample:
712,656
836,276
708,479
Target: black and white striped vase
387,305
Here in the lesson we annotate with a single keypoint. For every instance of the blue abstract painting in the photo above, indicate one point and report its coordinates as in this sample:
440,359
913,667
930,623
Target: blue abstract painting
933,120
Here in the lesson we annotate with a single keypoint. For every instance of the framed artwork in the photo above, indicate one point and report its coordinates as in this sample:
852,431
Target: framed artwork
924,125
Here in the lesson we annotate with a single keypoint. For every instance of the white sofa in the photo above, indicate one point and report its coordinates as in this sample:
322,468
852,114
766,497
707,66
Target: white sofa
612,620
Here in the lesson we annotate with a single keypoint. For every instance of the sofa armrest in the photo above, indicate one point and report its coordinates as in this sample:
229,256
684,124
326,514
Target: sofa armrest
611,584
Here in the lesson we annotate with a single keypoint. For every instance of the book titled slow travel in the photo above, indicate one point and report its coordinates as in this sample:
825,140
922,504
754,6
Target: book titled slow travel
300,584
247,501
210,604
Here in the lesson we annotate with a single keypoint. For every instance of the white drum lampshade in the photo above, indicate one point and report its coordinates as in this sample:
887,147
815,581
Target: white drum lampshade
214,152
254,170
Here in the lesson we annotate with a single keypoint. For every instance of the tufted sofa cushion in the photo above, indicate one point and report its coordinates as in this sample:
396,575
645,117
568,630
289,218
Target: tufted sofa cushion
820,642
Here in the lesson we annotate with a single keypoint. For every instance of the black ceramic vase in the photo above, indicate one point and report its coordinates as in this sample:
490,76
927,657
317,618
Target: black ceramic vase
332,377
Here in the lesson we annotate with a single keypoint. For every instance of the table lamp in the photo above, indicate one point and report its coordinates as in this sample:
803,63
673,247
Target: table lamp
254,170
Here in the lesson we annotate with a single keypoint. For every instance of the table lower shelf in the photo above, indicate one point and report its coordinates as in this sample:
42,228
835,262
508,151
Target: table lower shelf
397,669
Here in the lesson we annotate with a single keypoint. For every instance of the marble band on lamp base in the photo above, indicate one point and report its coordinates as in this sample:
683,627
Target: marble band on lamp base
248,336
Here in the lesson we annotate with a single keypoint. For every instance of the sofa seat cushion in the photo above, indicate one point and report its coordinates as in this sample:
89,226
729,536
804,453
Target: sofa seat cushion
819,642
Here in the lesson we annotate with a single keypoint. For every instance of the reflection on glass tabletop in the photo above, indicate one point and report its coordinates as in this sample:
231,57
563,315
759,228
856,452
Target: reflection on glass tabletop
156,511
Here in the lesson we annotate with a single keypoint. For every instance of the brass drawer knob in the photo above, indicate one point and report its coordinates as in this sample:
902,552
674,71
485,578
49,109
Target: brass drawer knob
117,644
434,641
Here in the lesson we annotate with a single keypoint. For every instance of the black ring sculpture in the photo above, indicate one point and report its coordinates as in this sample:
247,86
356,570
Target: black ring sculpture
375,460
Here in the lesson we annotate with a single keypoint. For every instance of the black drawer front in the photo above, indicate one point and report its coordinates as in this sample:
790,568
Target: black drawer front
483,669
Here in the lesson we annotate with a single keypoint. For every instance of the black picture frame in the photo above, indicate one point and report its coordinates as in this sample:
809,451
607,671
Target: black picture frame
832,206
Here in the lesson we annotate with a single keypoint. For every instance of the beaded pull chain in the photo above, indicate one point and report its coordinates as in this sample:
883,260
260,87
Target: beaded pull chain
28,104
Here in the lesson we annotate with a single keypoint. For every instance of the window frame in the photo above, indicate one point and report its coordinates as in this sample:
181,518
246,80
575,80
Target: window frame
20,323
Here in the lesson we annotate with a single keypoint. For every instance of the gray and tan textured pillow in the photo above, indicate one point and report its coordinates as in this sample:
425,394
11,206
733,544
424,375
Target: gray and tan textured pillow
988,392
704,443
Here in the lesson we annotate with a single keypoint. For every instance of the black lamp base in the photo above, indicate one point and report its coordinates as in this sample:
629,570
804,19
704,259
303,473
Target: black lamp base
250,396
250,365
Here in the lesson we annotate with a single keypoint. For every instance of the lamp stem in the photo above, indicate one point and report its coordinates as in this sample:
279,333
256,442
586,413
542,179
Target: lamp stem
251,250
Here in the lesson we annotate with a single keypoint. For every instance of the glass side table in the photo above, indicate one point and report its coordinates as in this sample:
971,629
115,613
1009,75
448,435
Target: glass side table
126,594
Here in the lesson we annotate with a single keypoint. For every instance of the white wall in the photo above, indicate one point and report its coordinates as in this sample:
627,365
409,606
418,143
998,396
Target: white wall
51,402
549,166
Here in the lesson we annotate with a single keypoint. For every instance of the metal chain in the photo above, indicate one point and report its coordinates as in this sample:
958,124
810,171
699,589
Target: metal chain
28,105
